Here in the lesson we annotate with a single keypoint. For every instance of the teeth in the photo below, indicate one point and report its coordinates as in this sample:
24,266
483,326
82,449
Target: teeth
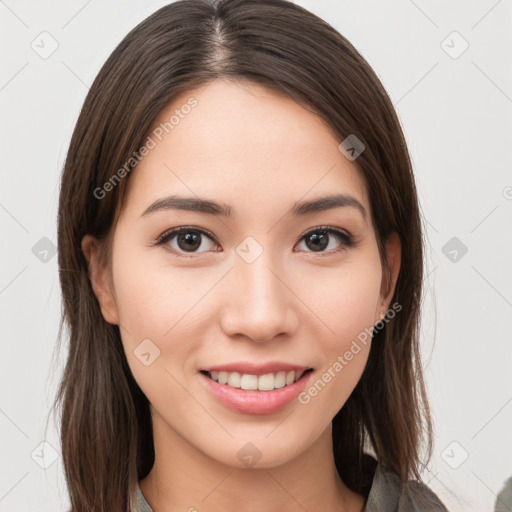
266,382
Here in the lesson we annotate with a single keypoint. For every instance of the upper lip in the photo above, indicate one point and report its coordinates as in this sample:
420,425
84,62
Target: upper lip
256,369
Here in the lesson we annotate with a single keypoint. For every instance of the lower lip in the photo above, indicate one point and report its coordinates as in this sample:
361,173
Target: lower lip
255,401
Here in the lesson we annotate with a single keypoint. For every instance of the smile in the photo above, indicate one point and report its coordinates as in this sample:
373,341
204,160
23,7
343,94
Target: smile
267,382
248,393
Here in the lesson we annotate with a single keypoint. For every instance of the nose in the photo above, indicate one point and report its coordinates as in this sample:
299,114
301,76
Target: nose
257,301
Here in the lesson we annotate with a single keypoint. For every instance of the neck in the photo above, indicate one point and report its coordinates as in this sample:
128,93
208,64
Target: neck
184,478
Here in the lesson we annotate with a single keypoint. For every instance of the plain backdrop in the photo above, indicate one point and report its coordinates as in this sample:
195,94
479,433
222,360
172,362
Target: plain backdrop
447,68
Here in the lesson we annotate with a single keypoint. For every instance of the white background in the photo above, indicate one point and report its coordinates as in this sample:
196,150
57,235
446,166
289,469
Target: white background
456,114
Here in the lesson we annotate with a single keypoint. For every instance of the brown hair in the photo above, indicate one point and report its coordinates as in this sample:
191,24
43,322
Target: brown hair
106,431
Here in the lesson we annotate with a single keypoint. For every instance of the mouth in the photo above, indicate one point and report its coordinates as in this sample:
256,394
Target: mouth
252,382
255,394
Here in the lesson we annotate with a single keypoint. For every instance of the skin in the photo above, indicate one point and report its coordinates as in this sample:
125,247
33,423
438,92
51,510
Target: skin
259,152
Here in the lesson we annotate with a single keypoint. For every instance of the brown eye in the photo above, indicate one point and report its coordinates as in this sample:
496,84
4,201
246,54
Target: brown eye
186,240
189,241
331,239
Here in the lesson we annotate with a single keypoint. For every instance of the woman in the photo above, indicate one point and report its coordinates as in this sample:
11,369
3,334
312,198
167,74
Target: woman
240,256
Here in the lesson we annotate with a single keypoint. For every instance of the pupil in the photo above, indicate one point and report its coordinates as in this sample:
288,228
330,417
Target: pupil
319,241
192,240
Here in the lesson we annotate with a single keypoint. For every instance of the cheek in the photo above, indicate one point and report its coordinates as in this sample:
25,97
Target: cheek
158,327
163,305
152,299
346,305
345,300
355,305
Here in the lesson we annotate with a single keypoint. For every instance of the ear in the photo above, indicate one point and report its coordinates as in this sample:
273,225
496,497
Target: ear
390,273
99,276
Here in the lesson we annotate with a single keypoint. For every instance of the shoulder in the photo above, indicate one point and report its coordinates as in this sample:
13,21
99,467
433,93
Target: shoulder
389,494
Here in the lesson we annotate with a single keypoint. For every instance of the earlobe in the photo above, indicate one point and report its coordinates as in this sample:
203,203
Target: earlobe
98,274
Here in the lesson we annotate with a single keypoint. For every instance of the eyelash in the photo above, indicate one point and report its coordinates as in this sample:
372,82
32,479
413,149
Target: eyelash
347,241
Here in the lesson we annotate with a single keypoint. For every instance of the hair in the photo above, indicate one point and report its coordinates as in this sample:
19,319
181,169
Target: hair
106,430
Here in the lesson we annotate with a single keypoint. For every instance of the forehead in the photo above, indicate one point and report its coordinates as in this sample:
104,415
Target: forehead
245,145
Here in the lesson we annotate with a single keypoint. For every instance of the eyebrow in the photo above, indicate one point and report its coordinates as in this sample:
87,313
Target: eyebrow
224,210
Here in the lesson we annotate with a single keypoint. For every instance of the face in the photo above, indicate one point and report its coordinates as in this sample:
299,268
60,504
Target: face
268,288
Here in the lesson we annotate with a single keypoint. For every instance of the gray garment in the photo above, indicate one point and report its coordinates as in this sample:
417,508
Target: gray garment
141,505
387,494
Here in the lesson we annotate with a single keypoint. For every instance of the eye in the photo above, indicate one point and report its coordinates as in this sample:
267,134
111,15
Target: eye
183,240
186,240
323,239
